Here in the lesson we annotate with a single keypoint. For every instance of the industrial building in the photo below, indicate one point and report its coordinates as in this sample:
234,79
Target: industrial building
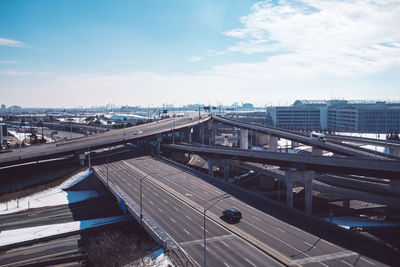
337,115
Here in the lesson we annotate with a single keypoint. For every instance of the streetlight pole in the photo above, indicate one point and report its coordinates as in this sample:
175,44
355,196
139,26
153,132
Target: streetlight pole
141,201
204,228
108,152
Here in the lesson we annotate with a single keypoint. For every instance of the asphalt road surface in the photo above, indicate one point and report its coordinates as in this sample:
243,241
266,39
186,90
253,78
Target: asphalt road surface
100,140
184,223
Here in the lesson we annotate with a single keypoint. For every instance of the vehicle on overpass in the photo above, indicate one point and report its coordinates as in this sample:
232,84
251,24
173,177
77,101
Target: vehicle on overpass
318,136
138,132
232,215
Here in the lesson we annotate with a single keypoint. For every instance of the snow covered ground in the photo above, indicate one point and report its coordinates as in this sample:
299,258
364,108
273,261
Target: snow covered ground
156,258
348,221
32,233
55,196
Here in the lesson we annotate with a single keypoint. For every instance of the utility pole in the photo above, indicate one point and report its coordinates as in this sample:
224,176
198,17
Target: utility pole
205,230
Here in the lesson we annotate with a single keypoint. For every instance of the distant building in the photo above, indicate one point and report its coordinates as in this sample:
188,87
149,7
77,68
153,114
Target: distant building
15,109
337,115
3,134
3,108
247,106
302,115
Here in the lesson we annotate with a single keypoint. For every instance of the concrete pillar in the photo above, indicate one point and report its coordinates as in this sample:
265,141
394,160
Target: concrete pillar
305,177
289,193
226,170
394,185
210,163
316,151
273,143
190,135
346,203
82,159
308,194
244,138
263,139
295,144
394,151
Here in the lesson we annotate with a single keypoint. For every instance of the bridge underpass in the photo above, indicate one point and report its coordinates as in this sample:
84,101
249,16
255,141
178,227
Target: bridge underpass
173,197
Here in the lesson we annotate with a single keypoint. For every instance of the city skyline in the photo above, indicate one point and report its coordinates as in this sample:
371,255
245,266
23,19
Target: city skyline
70,54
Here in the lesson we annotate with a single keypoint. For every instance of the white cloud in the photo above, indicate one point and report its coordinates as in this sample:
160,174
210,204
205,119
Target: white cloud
8,62
9,42
341,38
23,73
194,59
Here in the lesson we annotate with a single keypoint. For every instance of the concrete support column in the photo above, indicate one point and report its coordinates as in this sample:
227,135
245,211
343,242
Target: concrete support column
316,151
210,163
346,203
244,138
227,163
190,135
305,177
295,144
273,143
263,139
394,185
308,194
82,159
394,151
289,193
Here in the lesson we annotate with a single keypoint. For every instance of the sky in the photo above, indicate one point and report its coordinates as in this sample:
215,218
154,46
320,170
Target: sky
75,53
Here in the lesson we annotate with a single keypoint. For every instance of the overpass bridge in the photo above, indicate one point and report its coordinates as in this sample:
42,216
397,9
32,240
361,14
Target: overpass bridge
394,146
386,169
101,140
300,168
275,133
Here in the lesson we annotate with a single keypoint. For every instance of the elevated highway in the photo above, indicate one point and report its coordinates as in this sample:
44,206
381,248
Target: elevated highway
174,197
328,146
101,140
364,140
388,169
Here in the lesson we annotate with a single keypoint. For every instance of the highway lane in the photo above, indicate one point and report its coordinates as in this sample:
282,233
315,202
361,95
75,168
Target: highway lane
40,251
51,150
100,207
291,241
184,224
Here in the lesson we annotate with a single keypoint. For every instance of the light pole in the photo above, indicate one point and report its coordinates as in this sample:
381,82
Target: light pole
173,131
108,152
204,227
141,200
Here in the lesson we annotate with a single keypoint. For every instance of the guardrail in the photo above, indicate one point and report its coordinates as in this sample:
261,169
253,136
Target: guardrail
151,227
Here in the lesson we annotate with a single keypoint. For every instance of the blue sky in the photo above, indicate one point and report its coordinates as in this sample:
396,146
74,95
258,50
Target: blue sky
83,53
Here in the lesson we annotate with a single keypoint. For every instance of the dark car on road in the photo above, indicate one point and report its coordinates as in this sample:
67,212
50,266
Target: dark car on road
232,215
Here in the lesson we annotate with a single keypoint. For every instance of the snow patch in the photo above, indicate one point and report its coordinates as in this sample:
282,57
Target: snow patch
55,196
32,233
348,221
